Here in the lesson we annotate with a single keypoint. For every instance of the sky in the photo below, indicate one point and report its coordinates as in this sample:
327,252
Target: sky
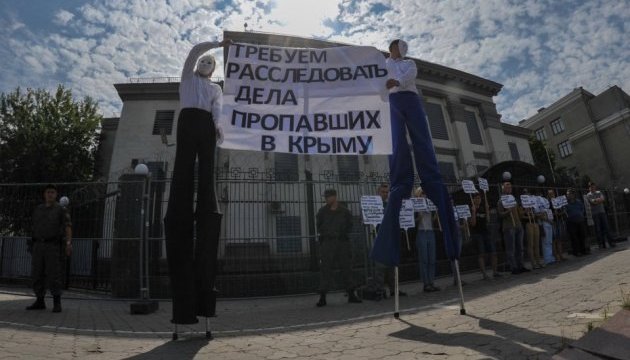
540,50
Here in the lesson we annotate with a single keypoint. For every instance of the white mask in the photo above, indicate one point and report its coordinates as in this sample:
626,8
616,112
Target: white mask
205,65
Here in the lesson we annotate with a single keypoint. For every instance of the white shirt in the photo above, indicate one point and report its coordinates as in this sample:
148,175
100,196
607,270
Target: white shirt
196,91
425,220
405,72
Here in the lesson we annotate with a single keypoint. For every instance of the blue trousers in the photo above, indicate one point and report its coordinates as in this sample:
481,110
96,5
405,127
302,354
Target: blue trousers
547,243
407,113
425,243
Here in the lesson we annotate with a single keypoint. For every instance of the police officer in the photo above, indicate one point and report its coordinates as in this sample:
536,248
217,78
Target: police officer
52,232
334,222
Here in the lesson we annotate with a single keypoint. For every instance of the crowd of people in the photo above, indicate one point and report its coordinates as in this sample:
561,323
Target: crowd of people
535,234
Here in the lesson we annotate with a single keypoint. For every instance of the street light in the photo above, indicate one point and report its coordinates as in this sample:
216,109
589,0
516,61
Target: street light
626,191
145,305
64,201
540,179
507,176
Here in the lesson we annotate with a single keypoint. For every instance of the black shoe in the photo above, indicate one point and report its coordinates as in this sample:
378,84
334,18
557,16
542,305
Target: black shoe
56,304
322,300
497,275
516,271
524,269
400,293
352,298
39,304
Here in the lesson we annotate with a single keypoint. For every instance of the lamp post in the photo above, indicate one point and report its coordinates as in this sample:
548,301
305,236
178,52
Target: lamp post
144,306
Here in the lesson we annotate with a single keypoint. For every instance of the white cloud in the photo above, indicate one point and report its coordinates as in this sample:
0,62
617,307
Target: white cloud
63,17
540,50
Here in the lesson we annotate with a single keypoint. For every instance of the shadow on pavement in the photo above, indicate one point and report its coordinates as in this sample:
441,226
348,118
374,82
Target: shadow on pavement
182,349
509,338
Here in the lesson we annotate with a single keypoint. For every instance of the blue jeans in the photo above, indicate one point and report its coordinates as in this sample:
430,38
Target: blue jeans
601,229
547,243
425,243
407,113
513,238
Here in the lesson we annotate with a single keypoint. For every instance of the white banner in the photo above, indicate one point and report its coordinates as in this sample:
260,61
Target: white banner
463,211
330,101
420,204
508,201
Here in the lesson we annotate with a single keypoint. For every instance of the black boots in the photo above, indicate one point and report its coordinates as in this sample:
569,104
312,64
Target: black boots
322,300
39,304
352,297
56,304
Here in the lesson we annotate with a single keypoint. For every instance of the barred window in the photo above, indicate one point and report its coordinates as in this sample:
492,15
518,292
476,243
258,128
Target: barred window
448,171
557,126
514,151
288,234
436,121
564,148
540,134
286,167
348,167
163,123
473,128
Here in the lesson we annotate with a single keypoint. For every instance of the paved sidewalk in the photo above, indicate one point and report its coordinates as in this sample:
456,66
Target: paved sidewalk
528,316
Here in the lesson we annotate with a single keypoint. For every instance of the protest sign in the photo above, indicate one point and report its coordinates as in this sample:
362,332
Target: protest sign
372,209
406,215
469,187
419,204
483,184
463,211
508,201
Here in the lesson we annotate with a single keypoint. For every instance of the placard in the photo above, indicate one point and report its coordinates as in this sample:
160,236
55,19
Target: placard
463,211
469,187
372,209
419,204
483,184
406,215
508,201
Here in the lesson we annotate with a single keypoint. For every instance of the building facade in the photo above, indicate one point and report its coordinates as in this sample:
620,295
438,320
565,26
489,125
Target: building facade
277,194
589,134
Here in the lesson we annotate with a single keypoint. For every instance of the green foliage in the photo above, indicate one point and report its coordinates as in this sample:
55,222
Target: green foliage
543,157
47,137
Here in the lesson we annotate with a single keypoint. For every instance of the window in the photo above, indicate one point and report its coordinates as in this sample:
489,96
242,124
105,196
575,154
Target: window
286,166
564,148
540,134
448,171
163,124
289,234
557,126
348,167
436,121
473,128
514,151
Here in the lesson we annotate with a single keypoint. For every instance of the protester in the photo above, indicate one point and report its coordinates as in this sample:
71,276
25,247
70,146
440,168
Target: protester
425,244
576,224
512,232
596,199
51,237
532,233
334,223
192,264
545,216
559,227
481,236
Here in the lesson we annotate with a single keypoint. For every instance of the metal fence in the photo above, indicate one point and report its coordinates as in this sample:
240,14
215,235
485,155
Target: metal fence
268,239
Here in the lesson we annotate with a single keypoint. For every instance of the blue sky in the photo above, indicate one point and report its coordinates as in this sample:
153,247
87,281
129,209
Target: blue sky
539,50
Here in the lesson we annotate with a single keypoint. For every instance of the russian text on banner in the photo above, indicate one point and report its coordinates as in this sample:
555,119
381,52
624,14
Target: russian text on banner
330,101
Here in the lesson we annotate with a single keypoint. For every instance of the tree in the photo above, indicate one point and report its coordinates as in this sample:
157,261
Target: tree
47,137
544,158
44,138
